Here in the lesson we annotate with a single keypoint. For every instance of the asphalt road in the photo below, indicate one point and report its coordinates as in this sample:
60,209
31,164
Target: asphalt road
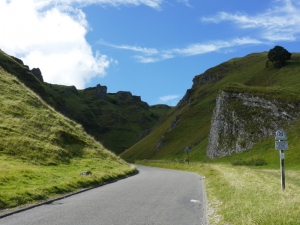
154,196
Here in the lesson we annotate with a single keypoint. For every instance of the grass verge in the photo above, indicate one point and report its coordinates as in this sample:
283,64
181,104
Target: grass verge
23,183
245,195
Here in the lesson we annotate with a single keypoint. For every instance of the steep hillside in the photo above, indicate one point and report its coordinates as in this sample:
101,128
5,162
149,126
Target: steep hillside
114,119
42,152
239,81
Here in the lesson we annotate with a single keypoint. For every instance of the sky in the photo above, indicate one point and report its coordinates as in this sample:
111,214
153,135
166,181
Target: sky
152,48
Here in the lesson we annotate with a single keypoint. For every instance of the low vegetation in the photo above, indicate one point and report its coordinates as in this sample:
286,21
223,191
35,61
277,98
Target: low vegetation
42,152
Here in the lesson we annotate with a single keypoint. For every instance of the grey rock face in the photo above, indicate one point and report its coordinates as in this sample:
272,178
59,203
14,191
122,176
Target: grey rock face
186,98
240,120
18,60
101,91
144,134
122,95
68,90
74,90
37,72
212,75
175,122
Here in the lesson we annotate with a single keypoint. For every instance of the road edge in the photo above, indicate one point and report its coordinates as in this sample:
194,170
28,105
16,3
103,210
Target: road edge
49,201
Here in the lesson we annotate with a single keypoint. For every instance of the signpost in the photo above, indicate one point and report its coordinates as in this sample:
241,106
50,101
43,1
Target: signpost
187,150
281,144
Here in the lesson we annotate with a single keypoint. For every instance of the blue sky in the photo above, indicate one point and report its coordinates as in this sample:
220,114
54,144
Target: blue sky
152,48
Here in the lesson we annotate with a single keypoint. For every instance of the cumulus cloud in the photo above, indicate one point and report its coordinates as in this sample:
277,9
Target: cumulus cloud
281,22
50,34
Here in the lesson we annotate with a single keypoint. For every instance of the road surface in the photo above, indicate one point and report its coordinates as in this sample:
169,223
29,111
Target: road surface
153,197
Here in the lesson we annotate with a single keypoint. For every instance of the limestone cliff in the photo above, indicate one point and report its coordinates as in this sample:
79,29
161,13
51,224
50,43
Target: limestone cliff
240,119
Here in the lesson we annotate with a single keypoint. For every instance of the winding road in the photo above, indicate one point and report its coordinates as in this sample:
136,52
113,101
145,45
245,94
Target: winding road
153,197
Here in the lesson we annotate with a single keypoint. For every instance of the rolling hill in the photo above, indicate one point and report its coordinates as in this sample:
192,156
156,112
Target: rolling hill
231,108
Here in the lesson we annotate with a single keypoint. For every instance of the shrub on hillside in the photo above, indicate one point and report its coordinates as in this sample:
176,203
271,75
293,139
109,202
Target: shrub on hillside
278,55
251,162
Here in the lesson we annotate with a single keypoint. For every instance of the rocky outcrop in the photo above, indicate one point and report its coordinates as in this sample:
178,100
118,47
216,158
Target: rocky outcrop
144,134
74,90
174,122
66,92
160,143
101,91
18,60
240,120
186,98
124,95
129,99
37,73
211,75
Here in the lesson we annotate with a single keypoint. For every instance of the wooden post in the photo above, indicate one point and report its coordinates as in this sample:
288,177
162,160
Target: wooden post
188,158
282,169
281,145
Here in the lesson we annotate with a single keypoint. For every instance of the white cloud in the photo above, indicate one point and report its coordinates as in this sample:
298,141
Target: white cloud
50,34
150,3
151,55
186,2
148,51
167,98
281,22
202,48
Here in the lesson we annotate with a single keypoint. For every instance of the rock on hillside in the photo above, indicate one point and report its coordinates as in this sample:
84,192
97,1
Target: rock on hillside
240,120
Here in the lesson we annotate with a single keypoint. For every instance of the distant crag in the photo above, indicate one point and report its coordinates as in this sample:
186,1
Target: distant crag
210,76
101,91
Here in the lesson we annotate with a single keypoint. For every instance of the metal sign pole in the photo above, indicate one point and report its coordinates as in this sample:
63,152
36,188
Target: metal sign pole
187,150
282,170
281,145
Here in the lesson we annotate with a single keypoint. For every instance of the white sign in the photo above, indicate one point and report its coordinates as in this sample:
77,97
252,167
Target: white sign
280,135
281,145
282,155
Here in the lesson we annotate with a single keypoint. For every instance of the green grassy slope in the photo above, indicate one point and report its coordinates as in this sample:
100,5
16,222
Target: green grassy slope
246,74
42,152
115,123
24,75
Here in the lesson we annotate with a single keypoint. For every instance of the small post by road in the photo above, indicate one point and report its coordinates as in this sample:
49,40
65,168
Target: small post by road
282,145
282,170
187,150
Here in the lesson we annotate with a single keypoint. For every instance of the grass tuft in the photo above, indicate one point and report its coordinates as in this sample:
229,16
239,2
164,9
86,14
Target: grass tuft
249,162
